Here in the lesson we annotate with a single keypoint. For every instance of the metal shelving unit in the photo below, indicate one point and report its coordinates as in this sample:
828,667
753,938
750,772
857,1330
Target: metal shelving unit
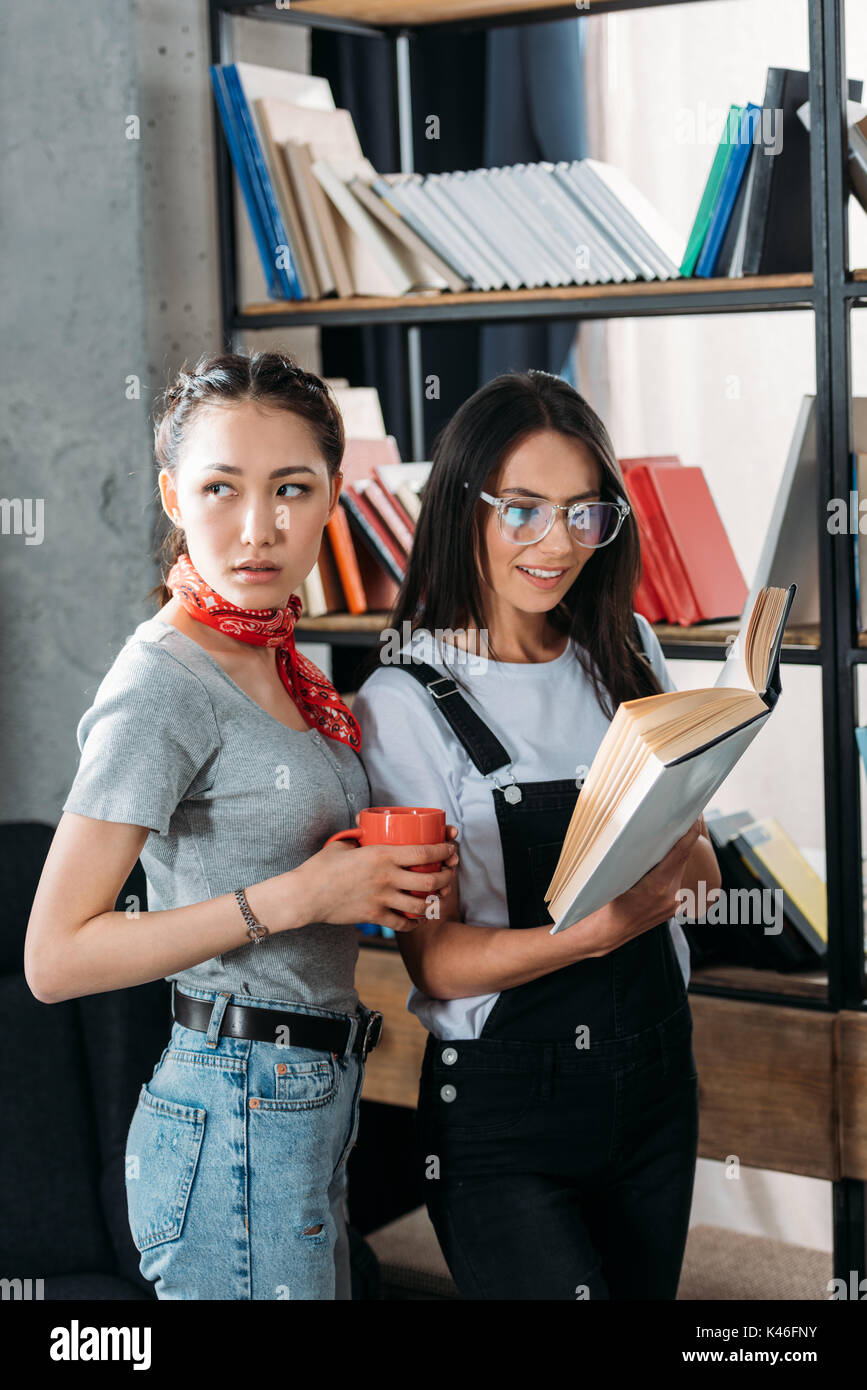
831,291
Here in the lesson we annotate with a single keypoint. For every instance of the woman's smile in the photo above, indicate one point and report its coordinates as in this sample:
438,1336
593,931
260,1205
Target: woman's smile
541,576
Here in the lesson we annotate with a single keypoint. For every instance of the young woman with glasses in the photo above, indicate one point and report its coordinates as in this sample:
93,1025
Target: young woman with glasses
557,1116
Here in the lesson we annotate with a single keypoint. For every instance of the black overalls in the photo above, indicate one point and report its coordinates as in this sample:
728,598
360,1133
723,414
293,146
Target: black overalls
558,1149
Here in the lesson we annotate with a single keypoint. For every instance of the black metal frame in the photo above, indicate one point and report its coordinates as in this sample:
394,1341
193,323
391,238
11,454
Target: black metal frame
831,297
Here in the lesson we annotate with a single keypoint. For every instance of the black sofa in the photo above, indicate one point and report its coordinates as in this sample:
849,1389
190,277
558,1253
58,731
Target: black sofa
70,1075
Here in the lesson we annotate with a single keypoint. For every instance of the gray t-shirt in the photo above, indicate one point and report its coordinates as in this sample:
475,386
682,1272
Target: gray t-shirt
231,797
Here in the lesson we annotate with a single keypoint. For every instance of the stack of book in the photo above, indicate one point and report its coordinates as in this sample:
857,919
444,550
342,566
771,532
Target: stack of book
326,223
689,571
527,226
757,854
365,546
754,213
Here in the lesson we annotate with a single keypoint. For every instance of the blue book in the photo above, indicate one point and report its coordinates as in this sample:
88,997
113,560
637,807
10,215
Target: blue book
266,255
861,740
728,191
287,274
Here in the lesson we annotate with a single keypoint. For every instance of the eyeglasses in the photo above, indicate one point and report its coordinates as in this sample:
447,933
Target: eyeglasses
523,521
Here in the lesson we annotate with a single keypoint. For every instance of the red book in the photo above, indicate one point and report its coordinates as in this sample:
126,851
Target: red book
666,569
379,587
650,594
383,503
360,458
361,508
331,586
688,528
347,561
383,477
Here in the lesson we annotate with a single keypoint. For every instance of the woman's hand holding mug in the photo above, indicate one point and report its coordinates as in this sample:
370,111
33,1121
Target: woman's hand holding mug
370,881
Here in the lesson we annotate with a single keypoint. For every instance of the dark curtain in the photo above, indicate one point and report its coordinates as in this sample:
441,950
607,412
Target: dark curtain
534,111
509,95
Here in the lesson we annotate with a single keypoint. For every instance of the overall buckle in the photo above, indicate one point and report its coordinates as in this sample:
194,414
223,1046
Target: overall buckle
429,685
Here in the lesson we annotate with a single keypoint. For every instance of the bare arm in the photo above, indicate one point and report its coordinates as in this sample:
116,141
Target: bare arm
77,944
451,959
702,864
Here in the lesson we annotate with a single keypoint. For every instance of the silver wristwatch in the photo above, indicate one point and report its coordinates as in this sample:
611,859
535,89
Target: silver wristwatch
255,930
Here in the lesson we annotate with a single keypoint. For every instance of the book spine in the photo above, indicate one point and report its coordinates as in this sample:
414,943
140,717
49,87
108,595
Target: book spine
360,523
254,212
791,912
273,222
392,496
735,169
671,568
382,503
706,205
408,201
346,561
652,555
761,200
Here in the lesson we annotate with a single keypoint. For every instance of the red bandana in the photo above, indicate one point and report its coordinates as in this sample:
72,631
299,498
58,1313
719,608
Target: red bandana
314,695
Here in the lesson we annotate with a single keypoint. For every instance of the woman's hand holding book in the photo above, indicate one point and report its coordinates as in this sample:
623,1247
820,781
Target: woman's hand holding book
653,899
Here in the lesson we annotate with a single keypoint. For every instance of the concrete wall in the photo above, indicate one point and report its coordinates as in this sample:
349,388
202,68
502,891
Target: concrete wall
72,437
109,281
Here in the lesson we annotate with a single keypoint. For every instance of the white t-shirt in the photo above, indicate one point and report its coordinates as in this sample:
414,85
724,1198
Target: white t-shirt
546,716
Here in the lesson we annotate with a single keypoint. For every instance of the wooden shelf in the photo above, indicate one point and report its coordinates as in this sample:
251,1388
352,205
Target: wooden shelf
704,641
714,634
717,634
418,13
798,984
652,297
344,622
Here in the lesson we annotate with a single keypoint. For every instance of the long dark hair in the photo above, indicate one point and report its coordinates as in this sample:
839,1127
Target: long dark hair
441,587
272,378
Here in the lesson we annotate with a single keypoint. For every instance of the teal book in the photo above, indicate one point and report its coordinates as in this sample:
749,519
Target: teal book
711,191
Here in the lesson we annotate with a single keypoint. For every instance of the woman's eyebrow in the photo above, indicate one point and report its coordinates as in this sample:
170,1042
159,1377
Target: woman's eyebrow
277,473
526,492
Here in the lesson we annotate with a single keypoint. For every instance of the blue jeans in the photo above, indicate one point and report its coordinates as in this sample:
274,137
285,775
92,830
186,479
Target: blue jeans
236,1165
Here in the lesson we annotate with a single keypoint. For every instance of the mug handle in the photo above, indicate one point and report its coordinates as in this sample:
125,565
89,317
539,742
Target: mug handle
352,833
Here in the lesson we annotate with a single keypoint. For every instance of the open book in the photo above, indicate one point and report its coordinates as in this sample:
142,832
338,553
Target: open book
660,762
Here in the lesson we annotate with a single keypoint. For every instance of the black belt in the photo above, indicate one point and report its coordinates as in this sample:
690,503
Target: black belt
305,1030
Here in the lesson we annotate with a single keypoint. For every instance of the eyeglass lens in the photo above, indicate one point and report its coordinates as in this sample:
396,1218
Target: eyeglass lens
593,523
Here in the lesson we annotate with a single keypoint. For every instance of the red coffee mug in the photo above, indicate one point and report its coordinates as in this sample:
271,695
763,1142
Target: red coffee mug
399,825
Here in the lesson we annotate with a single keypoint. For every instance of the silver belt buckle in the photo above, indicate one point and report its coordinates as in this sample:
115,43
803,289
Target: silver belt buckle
372,1031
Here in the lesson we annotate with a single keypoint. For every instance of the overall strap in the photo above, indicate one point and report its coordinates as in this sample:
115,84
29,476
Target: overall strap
480,742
